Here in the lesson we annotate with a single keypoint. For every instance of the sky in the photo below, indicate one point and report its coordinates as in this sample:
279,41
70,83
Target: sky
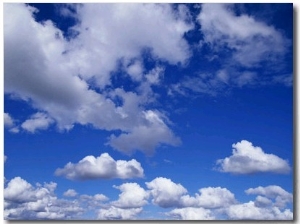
148,111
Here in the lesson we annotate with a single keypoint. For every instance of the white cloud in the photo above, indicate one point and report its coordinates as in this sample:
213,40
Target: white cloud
166,193
262,201
70,193
9,122
214,197
22,201
191,213
132,196
114,213
250,211
96,197
281,196
57,72
247,158
145,137
37,121
250,40
102,167
135,70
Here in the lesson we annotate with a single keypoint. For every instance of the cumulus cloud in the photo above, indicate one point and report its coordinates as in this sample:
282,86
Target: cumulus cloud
132,196
165,192
102,167
250,211
54,62
191,213
214,197
114,213
70,193
281,196
247,158
37,121
24,202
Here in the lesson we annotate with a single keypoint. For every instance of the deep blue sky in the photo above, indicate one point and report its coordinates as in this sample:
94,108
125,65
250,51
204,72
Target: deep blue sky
174,87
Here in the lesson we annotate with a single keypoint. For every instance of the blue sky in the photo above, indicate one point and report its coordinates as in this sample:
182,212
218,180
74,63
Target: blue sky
148,111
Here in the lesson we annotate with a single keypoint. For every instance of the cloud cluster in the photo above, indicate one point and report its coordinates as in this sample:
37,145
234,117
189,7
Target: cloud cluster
24,201
54,62
102,167
247,159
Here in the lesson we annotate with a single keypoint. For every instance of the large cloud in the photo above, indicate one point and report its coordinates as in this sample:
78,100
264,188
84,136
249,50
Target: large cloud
102,167
247,158
54,74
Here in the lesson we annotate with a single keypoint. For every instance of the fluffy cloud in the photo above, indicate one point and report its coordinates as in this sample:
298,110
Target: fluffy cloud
132,196
281,196
37,121
166,193
114,213
70,193
54,62
24,201
211,197
250,211
102,167
191,213
247,158
9,122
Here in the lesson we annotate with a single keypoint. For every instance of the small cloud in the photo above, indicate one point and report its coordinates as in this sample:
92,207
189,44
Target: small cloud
70,193
10,123
168,161
191,213
247,159
102,167
114,213
37,121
